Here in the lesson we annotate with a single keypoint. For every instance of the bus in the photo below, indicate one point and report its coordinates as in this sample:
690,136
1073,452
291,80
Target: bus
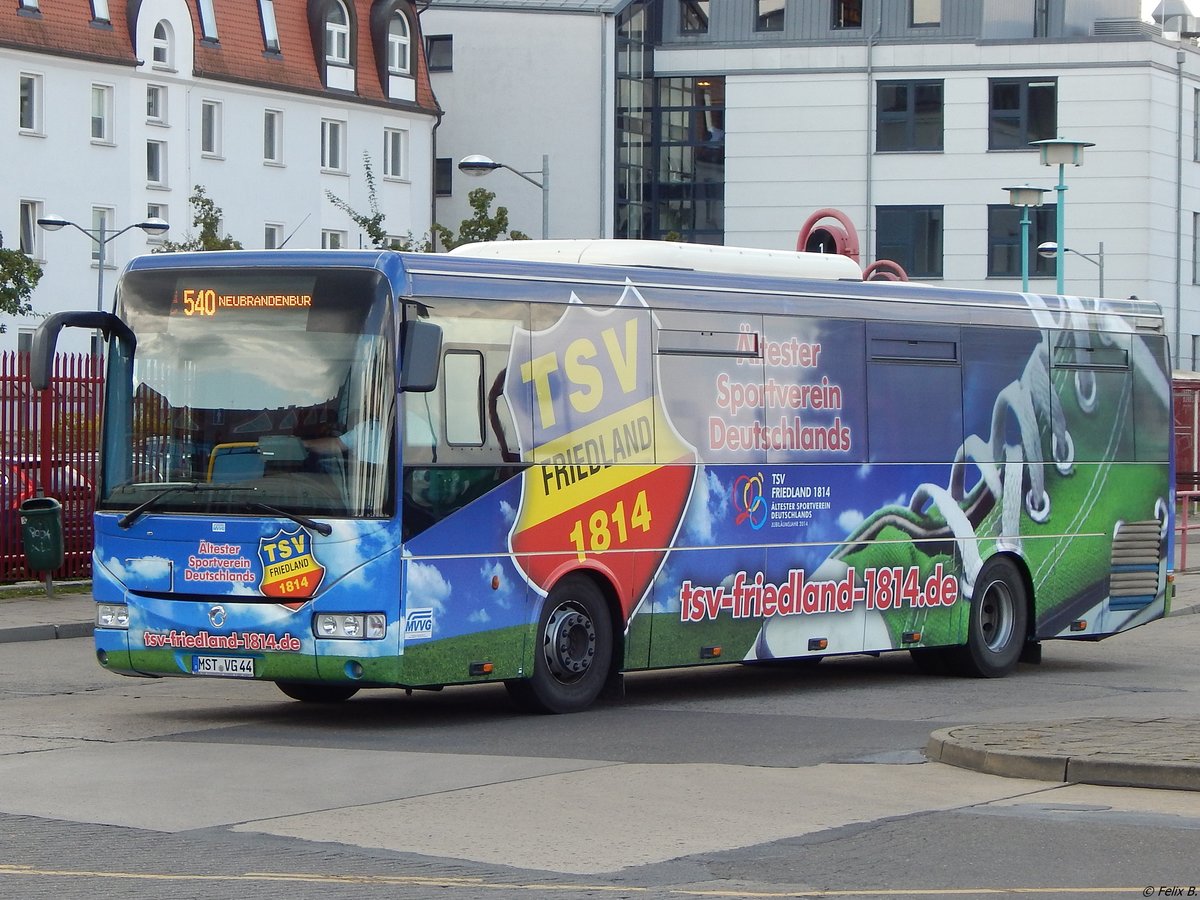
549,464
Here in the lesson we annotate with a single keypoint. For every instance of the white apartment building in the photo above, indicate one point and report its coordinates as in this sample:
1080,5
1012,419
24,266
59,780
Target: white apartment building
117,109
733,121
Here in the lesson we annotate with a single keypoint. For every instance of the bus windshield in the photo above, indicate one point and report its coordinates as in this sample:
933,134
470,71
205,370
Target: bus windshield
253,388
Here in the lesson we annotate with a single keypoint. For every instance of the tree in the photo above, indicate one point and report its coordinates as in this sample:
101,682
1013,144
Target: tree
19,275
482,226
207,217
373,224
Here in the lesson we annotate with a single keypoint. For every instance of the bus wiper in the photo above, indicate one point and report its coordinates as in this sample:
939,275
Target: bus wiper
319,527
191,487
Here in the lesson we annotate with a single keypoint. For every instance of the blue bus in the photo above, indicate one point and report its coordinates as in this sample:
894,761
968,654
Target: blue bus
551,463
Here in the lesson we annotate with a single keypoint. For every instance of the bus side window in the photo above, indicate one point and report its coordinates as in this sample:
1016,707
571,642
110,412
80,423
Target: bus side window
915,388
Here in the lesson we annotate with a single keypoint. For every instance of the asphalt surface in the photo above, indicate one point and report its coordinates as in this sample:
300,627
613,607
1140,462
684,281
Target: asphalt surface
1151,752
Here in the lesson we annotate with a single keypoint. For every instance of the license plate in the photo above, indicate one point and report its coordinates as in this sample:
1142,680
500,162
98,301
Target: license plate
225,666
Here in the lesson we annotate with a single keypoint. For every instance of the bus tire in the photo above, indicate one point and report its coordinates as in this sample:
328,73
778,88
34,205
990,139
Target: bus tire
998,623
573,655
316,693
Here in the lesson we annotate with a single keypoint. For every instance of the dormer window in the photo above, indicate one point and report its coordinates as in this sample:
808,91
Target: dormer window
266,12
208,20
337,34
100,11
160,46
398,44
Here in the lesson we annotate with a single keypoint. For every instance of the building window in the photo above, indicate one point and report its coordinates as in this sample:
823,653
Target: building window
31,103
266,13
156,163
100,11
1004,240
27,6
912,237
273,136
398,42
156,104
24,340
847,13
161,46
1195,248
693,16
443,176
1021,111
102,106
769,15
157,211
210,128
31,235
395,153
272,236
1196,125
908,115
439,52
333,240
337,34
688,174
332,137
923,13
208,20
101,217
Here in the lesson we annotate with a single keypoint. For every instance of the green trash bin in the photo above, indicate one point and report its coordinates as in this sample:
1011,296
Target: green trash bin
42,533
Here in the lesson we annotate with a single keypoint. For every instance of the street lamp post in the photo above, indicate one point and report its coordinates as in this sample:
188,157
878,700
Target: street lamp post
1025,196
478,166
101,238
1059,152
1049,250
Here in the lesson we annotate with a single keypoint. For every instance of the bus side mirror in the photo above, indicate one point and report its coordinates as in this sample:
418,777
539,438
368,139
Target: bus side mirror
420,354
45,339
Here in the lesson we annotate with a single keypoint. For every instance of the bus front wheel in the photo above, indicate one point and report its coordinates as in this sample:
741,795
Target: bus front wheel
574,650
316,693
999,619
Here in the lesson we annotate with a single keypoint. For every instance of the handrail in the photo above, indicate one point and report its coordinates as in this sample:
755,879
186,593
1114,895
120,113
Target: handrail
1182,526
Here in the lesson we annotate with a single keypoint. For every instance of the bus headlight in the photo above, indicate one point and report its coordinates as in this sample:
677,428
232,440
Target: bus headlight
112,615
351,626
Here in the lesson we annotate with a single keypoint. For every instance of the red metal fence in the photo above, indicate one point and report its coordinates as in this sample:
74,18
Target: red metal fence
48,445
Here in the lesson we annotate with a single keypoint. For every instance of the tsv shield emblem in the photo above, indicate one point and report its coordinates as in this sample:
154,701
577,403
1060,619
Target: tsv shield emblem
290,570
610,476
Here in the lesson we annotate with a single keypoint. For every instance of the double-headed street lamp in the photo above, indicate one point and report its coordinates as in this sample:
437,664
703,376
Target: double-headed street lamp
1025,196
1061,152
101,237
478,166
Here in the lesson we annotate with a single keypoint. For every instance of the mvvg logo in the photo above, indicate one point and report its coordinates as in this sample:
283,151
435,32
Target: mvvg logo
418,624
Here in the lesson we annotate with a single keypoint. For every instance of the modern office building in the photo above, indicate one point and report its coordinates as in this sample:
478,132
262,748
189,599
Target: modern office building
116,110
734,121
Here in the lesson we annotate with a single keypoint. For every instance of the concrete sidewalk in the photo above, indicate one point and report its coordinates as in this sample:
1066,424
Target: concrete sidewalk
1150,753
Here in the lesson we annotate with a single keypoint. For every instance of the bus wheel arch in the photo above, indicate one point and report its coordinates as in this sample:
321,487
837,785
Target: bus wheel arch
1000,617
576,647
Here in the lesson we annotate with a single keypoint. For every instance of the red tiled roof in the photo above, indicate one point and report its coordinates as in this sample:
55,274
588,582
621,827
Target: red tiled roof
64,28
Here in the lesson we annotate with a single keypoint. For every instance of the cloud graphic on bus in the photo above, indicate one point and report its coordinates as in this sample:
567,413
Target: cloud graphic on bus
709,505
427,583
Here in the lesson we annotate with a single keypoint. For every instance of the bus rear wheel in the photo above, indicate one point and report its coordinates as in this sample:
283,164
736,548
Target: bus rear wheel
316,693
999,619
574,650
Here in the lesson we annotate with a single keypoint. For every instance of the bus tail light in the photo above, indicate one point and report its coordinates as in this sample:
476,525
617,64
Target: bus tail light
351,626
